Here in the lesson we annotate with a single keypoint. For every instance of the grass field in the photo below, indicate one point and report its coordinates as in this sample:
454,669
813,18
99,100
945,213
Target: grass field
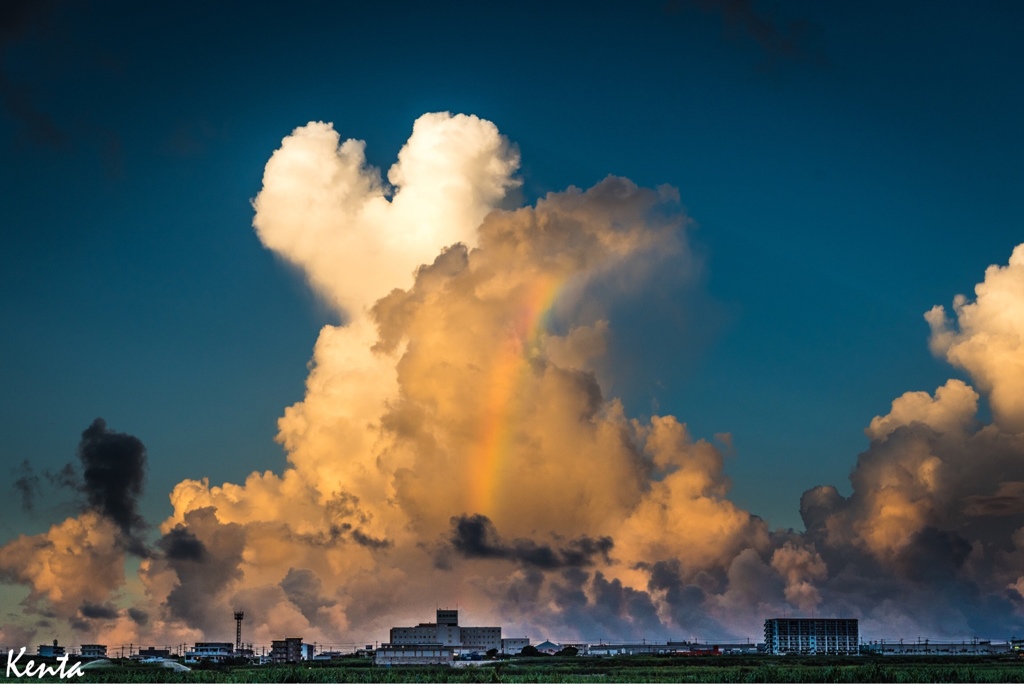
618,669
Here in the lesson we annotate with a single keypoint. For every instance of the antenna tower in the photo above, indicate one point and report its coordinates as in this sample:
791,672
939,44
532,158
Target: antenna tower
238,629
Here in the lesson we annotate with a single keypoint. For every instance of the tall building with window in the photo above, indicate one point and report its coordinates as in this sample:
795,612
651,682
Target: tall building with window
290,650
446,631
481,639
812,636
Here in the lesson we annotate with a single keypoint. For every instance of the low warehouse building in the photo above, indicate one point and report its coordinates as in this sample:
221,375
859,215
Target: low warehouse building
423,654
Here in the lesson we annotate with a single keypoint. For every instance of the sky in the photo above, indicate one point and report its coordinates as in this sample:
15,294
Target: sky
672,363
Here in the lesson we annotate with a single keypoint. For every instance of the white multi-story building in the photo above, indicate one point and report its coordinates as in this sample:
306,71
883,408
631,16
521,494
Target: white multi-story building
513,645
213,651
447,632
48,651
427,633
481,639
812,636
94,651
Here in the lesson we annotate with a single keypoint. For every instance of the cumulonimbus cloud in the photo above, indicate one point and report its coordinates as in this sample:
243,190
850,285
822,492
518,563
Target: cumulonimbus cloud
455,443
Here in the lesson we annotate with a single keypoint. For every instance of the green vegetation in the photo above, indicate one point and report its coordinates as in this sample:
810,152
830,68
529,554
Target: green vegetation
618,669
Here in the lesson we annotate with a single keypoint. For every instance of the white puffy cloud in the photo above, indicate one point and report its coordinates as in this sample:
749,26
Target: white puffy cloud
953,409
325,210
987,338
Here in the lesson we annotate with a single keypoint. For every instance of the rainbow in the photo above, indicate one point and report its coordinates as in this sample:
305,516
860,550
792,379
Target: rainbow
511,363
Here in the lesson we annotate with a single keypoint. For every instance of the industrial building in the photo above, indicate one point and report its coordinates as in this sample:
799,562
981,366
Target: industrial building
617,649
974,647
446,631
811,636
643,648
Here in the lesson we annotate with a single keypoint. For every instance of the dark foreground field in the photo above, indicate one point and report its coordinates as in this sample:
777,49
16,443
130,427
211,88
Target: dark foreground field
619,669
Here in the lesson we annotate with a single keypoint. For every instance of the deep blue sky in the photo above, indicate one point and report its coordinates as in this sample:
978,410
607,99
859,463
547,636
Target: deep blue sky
846,166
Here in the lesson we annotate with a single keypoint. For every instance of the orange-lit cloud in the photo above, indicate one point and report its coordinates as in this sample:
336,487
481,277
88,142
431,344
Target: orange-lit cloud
455,444
466,390
80,560
987,339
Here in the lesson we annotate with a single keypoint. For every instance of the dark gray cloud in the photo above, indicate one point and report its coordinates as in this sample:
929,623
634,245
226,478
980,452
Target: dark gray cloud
622,610
339,533
27,485
363,539
113,474
523,593
138,616
569,594
305,590
605,609
202,575
345,515
180,544
67,477
816,505
475,537
686,602
93,611
1008,499
932,555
